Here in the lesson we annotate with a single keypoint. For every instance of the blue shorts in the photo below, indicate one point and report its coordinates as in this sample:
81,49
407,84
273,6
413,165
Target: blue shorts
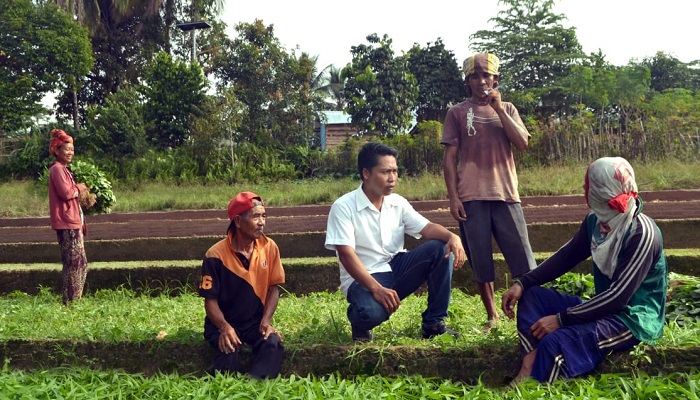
506,223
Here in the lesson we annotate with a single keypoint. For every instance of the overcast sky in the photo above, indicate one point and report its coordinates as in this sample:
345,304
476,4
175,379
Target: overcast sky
622,29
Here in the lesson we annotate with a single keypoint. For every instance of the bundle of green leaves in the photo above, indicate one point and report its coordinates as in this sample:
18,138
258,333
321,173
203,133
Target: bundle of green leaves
88,174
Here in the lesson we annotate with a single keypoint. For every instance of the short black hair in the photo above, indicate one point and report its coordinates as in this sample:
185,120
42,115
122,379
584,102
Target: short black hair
368,157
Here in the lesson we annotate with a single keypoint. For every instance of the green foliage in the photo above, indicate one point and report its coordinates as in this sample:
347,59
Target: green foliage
668,72
88,174
574,284
274,87
440,81
421,152
41,49
94,179
174,95
83,383
536,52
116,128
683,306
380,90
29,154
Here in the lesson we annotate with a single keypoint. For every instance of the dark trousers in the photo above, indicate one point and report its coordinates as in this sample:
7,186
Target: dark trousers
409,270
569,351
267,356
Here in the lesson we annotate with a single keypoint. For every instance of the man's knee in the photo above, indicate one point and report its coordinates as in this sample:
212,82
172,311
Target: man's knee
437,246
227,362
273,343
367,316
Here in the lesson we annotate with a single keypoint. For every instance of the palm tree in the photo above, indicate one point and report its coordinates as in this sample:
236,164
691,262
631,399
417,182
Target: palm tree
331,84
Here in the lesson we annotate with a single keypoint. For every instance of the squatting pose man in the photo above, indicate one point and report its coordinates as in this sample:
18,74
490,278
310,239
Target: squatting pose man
561,335
240,275
366,228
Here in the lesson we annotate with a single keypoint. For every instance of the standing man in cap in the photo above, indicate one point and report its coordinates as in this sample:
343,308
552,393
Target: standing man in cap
240,275
482,185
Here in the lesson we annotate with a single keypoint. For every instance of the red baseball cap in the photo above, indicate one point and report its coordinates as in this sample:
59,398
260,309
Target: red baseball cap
242,203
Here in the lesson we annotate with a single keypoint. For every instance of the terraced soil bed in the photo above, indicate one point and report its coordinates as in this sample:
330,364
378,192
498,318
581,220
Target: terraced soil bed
665,205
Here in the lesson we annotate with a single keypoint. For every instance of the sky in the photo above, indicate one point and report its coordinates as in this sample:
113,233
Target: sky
622,29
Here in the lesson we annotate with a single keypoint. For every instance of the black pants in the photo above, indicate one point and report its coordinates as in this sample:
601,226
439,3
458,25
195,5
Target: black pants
267,354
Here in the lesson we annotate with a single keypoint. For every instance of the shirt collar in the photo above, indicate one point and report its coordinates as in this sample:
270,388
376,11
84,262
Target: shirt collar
362,201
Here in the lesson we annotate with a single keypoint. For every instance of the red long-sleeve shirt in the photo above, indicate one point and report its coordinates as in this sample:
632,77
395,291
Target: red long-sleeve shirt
64,208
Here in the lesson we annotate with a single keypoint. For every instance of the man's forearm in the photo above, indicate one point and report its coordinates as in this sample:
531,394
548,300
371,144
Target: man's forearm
516,133
211,306
449,168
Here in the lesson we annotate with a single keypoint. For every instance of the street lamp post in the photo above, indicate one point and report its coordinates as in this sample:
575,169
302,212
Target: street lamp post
193,26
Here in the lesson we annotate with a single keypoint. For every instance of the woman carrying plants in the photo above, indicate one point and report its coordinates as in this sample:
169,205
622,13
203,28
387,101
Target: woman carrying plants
67,217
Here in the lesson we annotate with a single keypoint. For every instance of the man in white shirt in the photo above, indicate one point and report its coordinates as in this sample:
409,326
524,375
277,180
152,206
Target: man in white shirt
366,228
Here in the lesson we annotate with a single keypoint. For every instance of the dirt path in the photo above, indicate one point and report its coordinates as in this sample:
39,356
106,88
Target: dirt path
679,204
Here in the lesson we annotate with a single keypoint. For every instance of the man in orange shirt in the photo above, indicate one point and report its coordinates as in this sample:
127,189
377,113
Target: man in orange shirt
240,275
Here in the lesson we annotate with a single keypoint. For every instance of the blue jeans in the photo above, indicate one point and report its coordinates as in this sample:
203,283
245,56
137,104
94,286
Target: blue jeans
409,270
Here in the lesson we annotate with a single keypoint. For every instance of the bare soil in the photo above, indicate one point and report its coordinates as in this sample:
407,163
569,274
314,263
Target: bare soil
676,204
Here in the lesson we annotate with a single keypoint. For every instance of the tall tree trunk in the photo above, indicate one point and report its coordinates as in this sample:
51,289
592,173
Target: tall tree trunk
76,119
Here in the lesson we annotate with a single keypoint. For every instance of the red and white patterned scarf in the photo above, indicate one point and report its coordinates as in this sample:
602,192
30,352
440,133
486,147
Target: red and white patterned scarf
611,193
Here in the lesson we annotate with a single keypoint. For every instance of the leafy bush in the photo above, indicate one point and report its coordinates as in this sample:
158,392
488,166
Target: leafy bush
88,174
683,305
575,284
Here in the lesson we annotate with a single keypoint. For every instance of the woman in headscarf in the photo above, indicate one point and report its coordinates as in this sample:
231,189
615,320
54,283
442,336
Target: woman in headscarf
563,336
66,215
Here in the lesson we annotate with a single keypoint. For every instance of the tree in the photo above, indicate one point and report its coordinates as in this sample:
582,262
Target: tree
174,94
332,85
668,72
440,82
592,84
116,128
41,49
380,90
536,52
274,86
125,36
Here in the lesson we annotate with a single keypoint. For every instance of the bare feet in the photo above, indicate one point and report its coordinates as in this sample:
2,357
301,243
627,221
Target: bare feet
493,322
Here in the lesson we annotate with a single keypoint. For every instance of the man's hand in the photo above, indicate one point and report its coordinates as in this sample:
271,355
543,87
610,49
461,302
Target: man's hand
387,298
510,299
228,340
454,246
494,100
457,210
266,330
545,325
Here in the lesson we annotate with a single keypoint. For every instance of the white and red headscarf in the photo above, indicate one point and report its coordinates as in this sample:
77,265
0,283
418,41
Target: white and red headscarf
58,137
611,193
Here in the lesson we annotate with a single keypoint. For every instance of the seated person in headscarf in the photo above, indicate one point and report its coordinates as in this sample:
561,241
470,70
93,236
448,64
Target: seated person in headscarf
563,336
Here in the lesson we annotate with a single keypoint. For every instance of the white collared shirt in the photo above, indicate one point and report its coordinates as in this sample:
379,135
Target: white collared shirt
375,235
